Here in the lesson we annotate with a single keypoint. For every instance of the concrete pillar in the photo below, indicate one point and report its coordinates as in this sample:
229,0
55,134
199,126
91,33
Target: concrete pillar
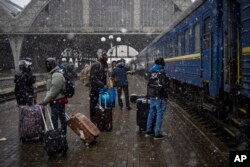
137,15
85,15
16,42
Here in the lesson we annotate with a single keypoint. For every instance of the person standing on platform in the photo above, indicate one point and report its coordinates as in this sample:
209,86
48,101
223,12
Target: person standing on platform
24,89
98,79
54,96
111,79
120,74
157,91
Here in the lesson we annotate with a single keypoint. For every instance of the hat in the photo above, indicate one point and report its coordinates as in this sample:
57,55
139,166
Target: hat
100,52
51,60
160,61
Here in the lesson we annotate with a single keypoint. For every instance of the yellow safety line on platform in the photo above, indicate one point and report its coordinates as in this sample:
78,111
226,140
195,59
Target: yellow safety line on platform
243,110
229,131
246,51
186,57
236,121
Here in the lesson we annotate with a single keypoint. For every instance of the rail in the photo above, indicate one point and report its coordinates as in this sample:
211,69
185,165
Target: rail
7,86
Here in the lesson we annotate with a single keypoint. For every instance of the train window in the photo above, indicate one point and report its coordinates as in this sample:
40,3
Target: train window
186,51
197,37
207,31
179,44
173,47
170,48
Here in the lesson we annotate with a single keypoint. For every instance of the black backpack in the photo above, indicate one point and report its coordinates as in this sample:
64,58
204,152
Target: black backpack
154,84
69,76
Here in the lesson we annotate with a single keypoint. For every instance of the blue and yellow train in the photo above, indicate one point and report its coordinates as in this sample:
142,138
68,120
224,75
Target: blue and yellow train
207,50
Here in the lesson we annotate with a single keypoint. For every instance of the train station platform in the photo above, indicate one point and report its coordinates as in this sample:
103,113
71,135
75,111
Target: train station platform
184,144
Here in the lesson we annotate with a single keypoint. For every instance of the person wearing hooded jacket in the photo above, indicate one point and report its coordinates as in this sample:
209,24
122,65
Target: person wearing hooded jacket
157,91
98,79
24,80
120,74
54,95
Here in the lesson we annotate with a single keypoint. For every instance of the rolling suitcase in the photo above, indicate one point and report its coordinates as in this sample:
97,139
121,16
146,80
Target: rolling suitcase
30,122
143,106
55,141
83,127
134,97
104,116
107,96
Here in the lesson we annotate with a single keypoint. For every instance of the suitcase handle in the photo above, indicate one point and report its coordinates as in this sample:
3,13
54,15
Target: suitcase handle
46,127
50,118
67,116
41,110
105,101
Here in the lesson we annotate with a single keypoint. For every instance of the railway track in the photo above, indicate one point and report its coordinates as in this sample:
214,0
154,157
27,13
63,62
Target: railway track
7,94
216,130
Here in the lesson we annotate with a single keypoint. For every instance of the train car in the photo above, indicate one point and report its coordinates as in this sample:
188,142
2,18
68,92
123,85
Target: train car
207,50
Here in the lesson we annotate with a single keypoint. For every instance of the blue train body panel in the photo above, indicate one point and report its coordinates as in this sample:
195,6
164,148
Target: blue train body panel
214,68
245,42
185,71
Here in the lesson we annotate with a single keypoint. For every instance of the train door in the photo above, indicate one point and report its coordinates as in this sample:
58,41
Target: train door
231,43
206,49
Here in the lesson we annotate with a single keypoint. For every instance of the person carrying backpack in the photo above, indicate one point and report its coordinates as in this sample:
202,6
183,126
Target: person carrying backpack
55,95
157,91
98,79
120,74
24,80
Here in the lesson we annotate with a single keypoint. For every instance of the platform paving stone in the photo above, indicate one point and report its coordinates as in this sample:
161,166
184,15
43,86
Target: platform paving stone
183,146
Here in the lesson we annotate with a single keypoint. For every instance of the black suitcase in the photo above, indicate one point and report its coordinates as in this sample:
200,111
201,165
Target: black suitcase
55,141
104,118
134,97
143,106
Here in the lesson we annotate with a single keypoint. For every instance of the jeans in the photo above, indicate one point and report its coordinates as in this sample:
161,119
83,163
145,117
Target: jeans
58,110
159,106
126,93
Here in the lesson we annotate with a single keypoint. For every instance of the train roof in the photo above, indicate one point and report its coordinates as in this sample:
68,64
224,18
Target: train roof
187,12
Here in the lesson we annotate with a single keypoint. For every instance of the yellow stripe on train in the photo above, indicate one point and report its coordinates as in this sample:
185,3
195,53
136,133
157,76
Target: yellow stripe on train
246,51
186,57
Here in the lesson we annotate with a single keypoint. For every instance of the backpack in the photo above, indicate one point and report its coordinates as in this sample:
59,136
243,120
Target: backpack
70,77
154,84
85,74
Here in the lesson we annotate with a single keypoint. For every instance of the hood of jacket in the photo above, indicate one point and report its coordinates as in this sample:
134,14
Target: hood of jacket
57,68
155,68
120,65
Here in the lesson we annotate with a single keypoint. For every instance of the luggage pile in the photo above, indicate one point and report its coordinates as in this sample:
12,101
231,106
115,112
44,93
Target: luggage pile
32,125
104,118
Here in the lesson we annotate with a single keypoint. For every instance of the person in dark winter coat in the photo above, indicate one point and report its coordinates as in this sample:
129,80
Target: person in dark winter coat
54,96
157,91
98,79
120,76
24,80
